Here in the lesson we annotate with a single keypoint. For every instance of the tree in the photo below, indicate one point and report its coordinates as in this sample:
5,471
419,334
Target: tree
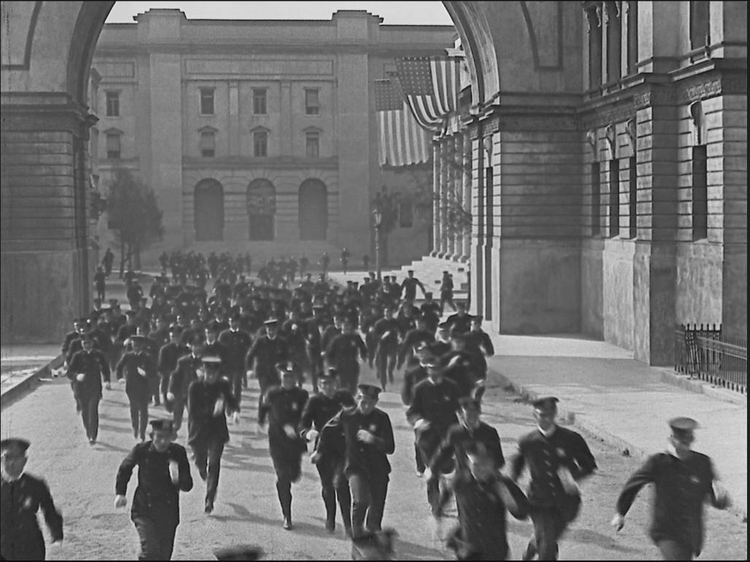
134,215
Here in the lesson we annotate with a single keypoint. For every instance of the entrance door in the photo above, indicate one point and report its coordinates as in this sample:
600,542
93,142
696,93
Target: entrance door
261,209
209,211
313,210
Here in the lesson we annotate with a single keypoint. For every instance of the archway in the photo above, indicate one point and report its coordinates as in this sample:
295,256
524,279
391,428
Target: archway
208,211
261,209
313,210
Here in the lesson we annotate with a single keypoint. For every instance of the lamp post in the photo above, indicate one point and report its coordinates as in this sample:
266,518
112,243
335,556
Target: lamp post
377,217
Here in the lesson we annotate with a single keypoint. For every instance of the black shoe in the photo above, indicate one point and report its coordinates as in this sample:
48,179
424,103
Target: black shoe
330,525
348,532
92,441
209,506
288,523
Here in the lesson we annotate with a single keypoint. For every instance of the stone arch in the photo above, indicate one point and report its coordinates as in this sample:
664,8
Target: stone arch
313,210
208,210
261,209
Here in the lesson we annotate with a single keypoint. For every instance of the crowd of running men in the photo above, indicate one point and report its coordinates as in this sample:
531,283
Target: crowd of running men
193,350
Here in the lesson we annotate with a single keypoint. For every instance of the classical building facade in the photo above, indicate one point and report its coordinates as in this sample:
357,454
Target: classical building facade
608,175
256,135
606,142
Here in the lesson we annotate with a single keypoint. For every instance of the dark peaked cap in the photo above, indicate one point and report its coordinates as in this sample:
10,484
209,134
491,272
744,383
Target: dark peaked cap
683,424
545,402
21,444
162,425
369,390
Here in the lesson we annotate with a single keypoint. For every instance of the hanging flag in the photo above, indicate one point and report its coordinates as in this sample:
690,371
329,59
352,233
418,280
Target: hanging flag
401,140
430,85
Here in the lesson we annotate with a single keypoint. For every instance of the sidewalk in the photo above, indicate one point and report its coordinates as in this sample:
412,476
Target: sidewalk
625,402
21,365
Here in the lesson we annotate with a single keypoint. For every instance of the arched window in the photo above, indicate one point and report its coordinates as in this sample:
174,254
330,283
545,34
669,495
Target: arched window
261,209
313,210
208,210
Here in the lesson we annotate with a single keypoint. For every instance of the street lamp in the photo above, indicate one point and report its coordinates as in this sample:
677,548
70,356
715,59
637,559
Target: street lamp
377,217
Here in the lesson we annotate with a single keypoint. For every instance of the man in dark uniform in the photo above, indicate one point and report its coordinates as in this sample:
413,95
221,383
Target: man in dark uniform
557,458
163,470
368,440
21,496
266,352
283,405
409,286
684,480
313,330
138,367
236,344
430,309
479,345
210,398
413,339
100,283
85,371
386,338
342,353
462,367
320,408
181,377
460,321
169,354
432,412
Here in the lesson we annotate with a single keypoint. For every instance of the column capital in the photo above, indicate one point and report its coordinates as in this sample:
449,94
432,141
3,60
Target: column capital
45,111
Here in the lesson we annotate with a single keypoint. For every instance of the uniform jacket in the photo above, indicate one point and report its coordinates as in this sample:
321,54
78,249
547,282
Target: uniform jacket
386,332
183,375
320,409
156,495
203,426
20,535
412,338
359,457
342,353
236,343
169,354
135,383
681,488
266,352
544,456
412,377
283,407
460,441
93,365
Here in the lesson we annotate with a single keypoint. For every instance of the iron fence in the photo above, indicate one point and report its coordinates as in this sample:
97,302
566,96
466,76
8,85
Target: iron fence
703,353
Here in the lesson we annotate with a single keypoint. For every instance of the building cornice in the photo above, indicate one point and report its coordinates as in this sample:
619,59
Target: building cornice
249,163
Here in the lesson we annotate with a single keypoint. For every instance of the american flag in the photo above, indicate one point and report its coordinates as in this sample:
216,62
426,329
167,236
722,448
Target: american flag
431,86
401,140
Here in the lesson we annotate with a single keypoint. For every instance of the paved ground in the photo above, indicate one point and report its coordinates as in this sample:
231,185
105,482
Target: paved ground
82,481
626,401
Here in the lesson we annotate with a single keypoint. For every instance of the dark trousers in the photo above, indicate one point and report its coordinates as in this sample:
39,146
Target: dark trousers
427,444
178,411
368,502
154,385
163,384
335,486
674,550
446,299
235,379
418,458
385,363
90,414
549,525
208,461
288,468
139,415
156,536
100,292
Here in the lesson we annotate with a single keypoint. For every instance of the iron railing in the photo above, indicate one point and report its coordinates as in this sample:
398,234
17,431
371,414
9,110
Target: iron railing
703,353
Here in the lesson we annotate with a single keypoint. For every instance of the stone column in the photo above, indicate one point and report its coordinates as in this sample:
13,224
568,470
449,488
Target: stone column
435,198
45,240
654,267
450,187
444,194
478,232
466,193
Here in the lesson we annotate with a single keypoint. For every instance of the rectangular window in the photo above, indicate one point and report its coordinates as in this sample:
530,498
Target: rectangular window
614,44
699,24
405,214
113,146
312,145
633,198
596,193
312,105
259,101
614,198
113,104
700,193
595,48
208,144
632,37
260,144
207,101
